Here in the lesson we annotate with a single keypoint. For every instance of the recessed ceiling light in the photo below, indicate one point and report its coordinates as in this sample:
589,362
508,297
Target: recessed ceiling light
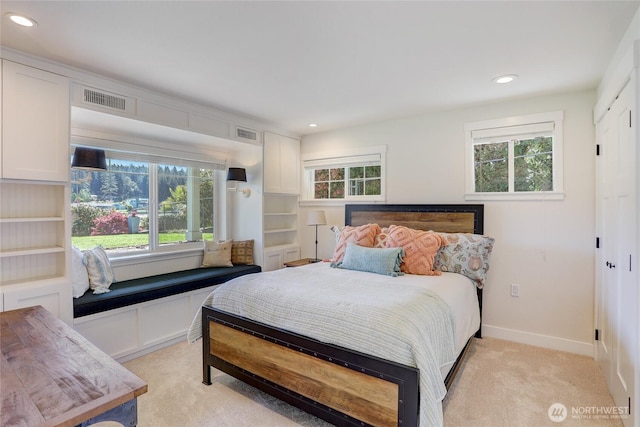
507,78
21,20
313,125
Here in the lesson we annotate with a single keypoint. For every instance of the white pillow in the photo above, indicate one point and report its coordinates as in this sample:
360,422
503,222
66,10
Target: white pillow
99,269
217,254
79,275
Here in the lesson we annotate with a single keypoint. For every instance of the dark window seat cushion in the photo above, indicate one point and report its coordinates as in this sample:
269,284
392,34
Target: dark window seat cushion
135,291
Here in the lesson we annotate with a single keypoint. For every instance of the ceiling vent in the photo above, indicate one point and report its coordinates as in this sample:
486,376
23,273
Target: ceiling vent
88,97
246,134
105,100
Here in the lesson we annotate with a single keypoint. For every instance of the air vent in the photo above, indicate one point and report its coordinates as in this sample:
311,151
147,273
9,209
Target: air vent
101,100
246,134
105,100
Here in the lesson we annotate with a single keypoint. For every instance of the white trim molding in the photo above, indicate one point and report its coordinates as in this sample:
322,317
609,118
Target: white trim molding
538,340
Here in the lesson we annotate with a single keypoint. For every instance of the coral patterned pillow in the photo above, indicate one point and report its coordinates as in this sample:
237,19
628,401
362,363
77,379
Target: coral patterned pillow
380,240
362,235
420,249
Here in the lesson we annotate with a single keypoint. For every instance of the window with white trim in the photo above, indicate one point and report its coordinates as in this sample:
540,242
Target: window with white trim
514,158
357,175
143,203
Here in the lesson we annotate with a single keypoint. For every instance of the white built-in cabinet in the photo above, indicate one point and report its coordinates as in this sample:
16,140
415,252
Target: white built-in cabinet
35,128
35,234
281,164
144,327
281,191
617,295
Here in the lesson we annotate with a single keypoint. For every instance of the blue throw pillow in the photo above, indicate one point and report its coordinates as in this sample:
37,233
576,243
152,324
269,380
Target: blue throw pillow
374,260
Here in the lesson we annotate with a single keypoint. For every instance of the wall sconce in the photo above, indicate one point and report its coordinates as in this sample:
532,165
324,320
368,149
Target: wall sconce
238,175
89,159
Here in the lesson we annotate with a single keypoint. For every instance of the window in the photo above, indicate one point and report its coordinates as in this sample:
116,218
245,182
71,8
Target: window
515,158
353,176
142,203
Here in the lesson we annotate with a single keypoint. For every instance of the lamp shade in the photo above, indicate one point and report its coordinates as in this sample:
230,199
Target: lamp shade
316,218
89,159
237,174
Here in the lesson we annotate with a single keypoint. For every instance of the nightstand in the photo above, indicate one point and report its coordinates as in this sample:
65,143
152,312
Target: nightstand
299,262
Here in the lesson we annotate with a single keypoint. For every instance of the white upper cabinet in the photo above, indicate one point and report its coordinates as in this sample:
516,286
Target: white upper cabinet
281,164
35,124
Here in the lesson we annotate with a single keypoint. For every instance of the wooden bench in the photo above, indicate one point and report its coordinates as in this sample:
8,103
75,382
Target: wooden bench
130,292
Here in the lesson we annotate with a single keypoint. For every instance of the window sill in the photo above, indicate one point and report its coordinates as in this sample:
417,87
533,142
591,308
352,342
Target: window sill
335,202
549,195
140,258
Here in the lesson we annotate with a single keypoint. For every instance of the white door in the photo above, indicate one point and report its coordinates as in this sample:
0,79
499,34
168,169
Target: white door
617,293
605,228
624,343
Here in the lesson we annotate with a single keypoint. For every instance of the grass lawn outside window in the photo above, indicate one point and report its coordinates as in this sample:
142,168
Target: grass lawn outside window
127,241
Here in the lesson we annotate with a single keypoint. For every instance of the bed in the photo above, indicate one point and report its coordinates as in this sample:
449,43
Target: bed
341,362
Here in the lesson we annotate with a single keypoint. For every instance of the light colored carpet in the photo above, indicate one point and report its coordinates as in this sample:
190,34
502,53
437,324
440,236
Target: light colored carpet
500,384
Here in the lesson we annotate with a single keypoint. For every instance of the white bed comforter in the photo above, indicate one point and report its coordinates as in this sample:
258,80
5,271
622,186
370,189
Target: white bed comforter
395,318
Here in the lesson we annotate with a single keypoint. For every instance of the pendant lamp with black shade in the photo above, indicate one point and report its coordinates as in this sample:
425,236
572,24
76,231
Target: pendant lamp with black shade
92,159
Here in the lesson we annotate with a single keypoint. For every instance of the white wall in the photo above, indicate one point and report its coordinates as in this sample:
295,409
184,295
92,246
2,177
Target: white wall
545,246
244,214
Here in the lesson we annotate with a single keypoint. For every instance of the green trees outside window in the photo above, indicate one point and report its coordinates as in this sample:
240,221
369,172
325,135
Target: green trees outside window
113,208
531,162
332,183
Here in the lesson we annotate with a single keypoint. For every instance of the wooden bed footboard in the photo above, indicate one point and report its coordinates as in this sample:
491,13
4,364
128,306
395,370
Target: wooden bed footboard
341,386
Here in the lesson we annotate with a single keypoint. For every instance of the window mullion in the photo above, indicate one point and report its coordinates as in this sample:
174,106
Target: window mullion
154,242
193,205
511,167
347,183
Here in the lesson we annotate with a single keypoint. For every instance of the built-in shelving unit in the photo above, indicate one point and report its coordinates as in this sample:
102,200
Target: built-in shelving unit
34,190
281,190
280,219
33,236
280,230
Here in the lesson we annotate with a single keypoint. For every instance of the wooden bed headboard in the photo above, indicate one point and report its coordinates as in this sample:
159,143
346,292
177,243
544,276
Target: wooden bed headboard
444,218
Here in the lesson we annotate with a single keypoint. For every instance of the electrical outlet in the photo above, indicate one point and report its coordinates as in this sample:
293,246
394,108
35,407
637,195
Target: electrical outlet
515,290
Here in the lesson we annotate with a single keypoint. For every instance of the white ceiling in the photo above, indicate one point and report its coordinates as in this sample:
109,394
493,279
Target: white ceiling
335,63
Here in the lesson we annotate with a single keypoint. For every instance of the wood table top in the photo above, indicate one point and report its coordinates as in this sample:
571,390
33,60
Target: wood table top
50,375
299,262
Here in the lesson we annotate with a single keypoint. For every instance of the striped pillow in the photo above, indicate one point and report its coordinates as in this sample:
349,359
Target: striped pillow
99,270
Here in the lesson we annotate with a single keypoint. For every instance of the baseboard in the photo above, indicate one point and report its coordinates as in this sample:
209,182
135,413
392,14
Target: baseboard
546,341
130,355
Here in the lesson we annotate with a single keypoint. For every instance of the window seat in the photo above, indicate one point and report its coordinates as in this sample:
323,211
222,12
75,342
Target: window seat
129,292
